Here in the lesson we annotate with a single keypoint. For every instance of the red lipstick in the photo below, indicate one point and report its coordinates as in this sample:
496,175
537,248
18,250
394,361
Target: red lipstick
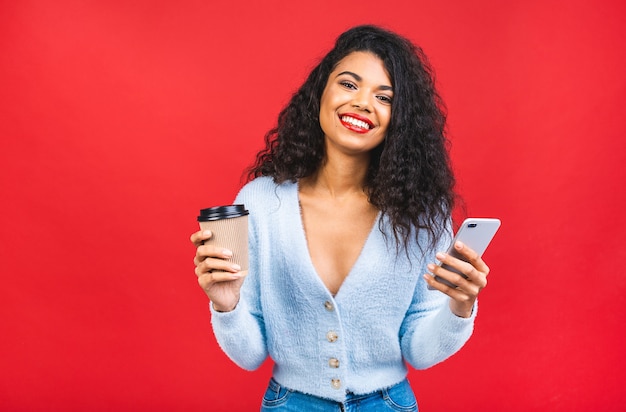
356,123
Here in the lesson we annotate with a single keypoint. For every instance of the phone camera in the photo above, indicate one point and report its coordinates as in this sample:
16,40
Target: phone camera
472,224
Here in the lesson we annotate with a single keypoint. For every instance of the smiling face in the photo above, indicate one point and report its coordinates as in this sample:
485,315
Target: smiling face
355,107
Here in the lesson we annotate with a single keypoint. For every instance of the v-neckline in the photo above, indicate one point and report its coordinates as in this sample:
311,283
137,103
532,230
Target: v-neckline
303,237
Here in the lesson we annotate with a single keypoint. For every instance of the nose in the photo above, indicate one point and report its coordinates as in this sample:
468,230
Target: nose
361,100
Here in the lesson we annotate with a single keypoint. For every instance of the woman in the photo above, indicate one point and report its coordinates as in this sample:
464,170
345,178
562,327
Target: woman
349,202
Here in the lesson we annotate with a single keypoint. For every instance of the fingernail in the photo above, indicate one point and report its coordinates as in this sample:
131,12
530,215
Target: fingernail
227,252
431,267
441,256
236,267
207,233
458,244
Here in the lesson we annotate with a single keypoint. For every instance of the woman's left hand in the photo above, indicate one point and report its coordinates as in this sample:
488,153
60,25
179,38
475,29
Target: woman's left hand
464,295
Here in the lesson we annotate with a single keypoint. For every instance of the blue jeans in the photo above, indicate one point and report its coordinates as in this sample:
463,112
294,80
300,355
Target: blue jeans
399,397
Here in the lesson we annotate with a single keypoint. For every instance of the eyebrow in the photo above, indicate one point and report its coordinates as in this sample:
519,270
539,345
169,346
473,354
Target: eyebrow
359,78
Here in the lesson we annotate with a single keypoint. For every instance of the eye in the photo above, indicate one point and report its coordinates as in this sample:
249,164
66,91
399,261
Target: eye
348,84
385,99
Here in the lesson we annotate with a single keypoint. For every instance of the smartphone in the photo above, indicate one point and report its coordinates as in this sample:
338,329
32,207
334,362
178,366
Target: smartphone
475,233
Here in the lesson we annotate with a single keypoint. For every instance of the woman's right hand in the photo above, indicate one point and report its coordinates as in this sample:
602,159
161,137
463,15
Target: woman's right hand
220,279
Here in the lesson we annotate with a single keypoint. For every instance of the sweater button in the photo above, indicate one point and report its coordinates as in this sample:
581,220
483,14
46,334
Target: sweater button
332,336
333,362
329,306
336,383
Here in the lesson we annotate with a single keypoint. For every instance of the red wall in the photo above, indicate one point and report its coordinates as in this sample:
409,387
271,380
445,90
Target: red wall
119,120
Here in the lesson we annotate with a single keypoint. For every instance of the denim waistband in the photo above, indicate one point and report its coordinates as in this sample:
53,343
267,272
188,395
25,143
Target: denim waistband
398,397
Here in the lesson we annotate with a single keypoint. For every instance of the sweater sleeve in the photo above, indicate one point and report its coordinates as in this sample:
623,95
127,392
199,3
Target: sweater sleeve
241,333
430,332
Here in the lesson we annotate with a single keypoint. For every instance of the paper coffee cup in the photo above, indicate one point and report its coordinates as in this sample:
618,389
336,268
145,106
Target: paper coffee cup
229,226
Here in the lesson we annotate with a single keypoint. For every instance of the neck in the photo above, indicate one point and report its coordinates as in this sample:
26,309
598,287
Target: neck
340,177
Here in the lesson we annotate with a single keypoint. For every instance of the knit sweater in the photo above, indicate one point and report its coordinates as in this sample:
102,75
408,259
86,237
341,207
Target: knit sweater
325,345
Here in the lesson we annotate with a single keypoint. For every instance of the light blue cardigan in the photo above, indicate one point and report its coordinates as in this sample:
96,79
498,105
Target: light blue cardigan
322,344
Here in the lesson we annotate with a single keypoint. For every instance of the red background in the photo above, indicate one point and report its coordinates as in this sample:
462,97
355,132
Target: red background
119,120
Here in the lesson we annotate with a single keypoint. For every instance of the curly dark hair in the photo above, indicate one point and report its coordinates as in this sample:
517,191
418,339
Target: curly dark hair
409,178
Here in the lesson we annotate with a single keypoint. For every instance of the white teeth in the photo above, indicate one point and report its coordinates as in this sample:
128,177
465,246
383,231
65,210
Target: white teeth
355,122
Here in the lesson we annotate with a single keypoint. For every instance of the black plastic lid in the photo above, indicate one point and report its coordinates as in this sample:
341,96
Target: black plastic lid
222,212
